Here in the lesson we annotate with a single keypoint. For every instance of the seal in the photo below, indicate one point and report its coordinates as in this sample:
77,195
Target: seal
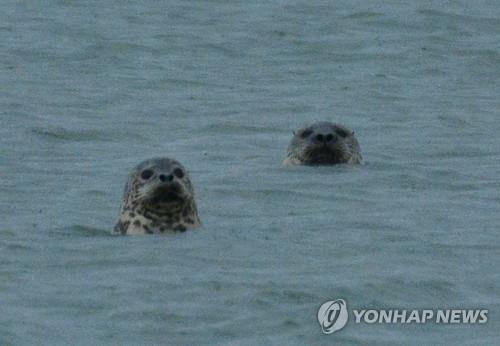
158,197
323,143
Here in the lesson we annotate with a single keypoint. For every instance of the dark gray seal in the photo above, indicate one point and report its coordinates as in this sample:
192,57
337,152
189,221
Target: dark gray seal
323,143
158,197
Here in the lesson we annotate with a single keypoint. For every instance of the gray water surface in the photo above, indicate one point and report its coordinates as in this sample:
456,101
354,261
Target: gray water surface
89,89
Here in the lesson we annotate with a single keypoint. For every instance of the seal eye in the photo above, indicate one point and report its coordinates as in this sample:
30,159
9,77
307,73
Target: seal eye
306,133
146,174
179,173
342,133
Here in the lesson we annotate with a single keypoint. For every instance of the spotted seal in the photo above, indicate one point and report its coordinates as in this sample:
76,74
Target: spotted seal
158,197
323,143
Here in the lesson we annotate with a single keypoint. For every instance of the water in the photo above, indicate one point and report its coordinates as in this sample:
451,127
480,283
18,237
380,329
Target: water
90,89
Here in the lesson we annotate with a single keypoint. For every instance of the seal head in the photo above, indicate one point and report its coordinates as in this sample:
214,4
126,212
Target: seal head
323,143
158,197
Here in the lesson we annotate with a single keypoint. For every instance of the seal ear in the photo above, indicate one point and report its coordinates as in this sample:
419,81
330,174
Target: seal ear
294,132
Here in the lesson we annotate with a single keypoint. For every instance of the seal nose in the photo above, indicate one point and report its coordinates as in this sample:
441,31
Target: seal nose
163,178
325,138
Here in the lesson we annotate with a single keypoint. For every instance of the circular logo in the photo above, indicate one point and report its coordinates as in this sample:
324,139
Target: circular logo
332,315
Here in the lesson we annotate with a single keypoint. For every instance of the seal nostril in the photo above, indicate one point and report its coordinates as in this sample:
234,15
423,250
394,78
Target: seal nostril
320,138
163,178
329,137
